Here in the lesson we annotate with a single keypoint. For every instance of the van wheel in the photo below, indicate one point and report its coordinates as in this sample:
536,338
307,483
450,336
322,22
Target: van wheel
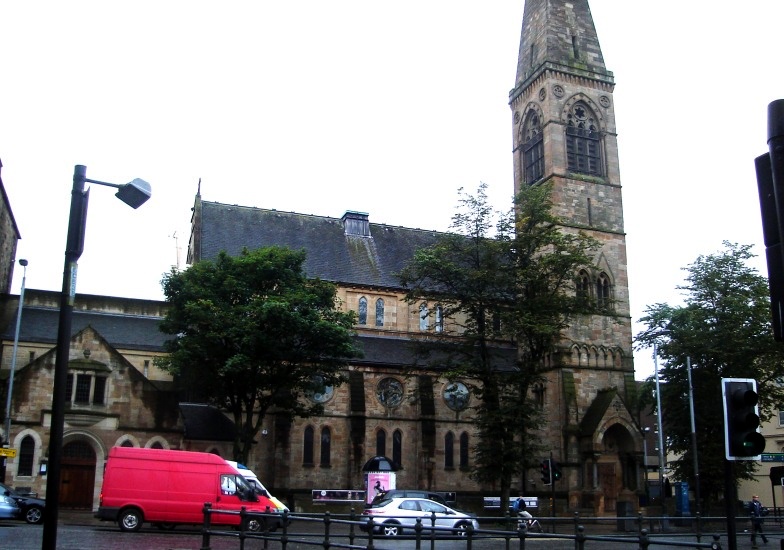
131,519
254,525
166,526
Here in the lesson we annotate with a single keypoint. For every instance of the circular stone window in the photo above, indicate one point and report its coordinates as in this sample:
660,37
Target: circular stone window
456,396
389,392
320,392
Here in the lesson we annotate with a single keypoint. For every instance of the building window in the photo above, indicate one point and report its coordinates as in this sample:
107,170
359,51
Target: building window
603,291
533,149
439,319
539,395
449,451
127,443
362,311
146,368
583,286
389,392
156,445
326,441
379,312
307,446
381,443
456,396
83,389
463,450
423,317
397,448
781,418
582,141
26,455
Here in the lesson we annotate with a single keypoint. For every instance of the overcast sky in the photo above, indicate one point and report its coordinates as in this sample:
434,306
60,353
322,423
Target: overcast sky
384,107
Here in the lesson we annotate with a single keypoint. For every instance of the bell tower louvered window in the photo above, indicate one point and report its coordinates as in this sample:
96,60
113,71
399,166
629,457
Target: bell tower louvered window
583,144
533,149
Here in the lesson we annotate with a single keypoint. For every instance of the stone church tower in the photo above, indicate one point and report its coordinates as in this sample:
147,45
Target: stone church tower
564,134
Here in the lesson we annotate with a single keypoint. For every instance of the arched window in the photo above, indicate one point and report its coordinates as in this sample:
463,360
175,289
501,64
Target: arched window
439,319
583,151
26,454
379,312
397,447
423,317
326,441
464,450
583,285
156,445
449,451
533,149
307,446
362,317
127,443
381,443
603,290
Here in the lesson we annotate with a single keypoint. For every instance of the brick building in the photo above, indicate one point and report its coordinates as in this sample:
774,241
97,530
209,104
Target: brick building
563,131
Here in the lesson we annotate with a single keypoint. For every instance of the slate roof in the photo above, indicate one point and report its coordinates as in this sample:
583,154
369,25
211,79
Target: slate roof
39,324
332,255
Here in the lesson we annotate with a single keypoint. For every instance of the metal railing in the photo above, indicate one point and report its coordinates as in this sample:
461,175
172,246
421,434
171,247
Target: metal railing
355,531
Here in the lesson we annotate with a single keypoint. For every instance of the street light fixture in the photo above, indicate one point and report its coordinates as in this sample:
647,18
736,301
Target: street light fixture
23,263
645,431
134,194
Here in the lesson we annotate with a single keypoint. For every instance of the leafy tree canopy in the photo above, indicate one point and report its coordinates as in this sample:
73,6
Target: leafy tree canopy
501,280
252,333
723,329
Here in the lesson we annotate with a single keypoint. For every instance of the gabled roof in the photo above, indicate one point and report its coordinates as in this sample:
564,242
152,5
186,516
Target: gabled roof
39,324
332,254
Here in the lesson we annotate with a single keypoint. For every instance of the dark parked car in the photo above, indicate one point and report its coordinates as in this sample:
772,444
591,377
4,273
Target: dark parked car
408,493
32,508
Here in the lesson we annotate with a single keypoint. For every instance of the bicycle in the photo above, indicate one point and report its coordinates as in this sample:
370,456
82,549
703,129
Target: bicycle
532,524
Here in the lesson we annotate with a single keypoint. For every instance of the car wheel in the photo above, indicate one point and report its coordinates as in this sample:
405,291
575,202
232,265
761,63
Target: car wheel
254,525
391,529
34,514
131,519
461,529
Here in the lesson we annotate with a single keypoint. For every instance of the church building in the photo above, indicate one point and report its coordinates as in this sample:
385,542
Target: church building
563,132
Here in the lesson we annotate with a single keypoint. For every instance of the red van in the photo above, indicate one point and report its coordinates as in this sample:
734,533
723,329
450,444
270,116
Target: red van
170,487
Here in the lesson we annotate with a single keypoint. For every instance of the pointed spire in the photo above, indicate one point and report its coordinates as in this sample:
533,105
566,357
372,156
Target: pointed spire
559,35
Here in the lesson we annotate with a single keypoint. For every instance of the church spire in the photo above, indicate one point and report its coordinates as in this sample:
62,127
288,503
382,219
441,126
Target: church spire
558,35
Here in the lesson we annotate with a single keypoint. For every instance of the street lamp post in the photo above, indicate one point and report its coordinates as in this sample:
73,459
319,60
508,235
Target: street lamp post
134,194
23,263
645,431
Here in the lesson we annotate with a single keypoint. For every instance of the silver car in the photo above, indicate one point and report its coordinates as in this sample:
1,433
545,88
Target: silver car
392,516
8,508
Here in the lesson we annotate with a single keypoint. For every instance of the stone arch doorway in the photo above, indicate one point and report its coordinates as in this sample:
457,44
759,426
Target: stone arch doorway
77,475
616,473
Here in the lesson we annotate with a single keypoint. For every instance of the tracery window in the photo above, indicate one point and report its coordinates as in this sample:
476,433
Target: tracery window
583,285
583,150
439,319
533,149
379,312
381,443
397,447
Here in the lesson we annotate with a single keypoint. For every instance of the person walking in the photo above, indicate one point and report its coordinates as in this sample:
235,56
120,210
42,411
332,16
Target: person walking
755,510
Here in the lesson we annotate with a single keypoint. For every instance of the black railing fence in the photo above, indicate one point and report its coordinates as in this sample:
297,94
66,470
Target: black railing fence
356,531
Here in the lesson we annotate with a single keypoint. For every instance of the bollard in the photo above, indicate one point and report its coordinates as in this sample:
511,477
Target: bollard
205,528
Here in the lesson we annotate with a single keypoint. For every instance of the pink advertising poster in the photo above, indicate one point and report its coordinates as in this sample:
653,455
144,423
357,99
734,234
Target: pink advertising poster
379,482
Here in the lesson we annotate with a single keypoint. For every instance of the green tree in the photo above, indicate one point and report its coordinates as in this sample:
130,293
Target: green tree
253,333
724,330
501,280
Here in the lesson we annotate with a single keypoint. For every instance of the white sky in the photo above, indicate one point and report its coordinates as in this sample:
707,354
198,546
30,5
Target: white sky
379,106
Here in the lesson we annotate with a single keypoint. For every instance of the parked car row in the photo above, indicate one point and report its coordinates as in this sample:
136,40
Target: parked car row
17,505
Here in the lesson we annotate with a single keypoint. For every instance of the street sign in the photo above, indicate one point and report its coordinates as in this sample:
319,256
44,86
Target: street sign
772,457
10,453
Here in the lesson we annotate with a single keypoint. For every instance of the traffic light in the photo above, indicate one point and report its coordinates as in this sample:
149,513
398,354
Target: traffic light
547,477
742,441
770,185
556,469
